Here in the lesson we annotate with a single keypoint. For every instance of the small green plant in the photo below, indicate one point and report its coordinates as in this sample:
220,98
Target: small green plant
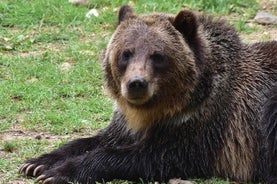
265,36
9,146
241,26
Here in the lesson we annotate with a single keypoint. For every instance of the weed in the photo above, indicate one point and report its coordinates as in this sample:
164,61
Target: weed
9,146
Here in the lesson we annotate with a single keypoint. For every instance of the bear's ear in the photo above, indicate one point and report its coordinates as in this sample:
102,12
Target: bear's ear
125,13
186,23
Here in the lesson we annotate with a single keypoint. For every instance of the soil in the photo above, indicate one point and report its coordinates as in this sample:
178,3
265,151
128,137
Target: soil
265,34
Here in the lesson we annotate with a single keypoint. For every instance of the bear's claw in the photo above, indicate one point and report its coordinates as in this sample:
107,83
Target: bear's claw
22,168
38,170
29,169
25,168
48,180
44,179
41,178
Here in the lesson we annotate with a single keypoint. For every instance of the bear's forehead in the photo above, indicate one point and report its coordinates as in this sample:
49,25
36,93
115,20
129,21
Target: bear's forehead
144,37
145,28
148,23
150,32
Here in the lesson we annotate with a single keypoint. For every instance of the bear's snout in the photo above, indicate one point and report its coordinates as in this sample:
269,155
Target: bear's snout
137,88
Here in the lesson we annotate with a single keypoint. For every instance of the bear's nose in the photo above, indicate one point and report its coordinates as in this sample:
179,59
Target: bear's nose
137,85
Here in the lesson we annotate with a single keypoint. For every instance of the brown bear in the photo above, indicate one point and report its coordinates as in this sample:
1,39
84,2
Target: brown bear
192,101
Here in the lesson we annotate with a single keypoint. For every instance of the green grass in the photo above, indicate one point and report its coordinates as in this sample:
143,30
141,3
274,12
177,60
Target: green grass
37,94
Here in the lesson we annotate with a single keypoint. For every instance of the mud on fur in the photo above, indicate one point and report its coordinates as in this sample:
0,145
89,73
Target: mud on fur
192,101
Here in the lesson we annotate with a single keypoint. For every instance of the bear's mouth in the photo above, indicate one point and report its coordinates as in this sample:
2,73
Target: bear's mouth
143,103
137,99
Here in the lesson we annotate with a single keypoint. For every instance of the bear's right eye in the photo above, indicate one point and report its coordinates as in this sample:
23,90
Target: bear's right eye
124,59
126,55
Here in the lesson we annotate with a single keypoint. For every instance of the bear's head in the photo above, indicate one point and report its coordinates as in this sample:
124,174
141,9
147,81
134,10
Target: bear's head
149,65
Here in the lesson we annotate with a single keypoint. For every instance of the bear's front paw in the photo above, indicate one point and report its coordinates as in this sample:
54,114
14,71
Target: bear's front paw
45,180
50,177
32,168
61,174
36,166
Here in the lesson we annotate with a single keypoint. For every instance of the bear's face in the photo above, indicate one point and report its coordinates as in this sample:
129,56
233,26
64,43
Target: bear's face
141,62
149,66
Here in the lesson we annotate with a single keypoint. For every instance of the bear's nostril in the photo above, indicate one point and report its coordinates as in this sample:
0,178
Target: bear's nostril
137,84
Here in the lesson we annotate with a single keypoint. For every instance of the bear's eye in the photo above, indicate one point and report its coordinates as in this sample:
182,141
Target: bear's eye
159,60
124,58
126,55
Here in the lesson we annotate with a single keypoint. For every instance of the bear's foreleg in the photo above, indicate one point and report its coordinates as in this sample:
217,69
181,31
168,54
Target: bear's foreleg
105,164
35,166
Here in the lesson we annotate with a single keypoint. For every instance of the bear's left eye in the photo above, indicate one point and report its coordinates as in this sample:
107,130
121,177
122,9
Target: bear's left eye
159,60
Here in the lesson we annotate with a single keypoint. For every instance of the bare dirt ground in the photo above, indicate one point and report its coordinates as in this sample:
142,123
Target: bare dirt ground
265,34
